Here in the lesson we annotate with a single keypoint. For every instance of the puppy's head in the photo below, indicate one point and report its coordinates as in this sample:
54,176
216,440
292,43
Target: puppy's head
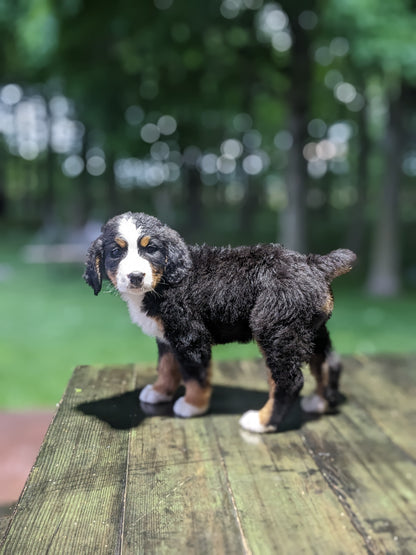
136,252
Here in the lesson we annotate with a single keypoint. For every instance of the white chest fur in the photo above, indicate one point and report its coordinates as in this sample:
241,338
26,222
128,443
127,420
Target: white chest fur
150,326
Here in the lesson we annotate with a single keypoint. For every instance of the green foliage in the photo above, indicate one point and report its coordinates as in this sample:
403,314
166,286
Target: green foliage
37,31
381,33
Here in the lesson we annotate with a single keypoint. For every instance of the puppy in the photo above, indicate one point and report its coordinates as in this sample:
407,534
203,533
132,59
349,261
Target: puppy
192,297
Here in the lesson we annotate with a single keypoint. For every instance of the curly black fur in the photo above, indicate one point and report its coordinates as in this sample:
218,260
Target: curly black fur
209,295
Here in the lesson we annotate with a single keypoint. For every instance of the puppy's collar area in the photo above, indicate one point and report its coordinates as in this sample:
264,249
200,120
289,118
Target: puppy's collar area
138,315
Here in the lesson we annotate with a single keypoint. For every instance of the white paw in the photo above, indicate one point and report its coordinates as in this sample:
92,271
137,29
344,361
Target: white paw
251,421
314,403
153,397
185,410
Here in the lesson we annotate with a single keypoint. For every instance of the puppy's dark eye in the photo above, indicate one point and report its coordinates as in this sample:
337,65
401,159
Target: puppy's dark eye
116,252
150,249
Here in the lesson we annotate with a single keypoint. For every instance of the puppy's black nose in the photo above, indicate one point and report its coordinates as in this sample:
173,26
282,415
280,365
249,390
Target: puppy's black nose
136,278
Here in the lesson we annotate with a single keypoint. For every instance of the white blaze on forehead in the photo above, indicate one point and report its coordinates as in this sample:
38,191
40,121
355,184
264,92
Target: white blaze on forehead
132,262
128,231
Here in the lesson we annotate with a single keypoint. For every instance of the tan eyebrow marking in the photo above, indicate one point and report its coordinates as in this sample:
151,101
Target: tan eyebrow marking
120,242
144,241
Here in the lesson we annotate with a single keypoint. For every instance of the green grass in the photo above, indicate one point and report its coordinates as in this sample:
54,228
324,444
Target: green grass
51,322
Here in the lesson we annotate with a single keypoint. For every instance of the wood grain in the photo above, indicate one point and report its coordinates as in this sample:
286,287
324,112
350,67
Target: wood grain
114,476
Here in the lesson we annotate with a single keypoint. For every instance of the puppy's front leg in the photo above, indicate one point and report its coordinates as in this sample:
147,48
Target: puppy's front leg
194,359
169,378
197,397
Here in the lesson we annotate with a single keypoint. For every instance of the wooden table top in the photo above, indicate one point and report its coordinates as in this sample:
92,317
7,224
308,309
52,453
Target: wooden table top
111,478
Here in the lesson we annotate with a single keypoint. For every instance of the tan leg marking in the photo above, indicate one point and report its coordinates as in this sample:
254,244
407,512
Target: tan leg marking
259,420
316,403
320,371
196,399
169,376
198,395
266,413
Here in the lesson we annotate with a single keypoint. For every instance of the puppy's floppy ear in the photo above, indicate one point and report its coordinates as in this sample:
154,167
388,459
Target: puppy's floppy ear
178,261
94,265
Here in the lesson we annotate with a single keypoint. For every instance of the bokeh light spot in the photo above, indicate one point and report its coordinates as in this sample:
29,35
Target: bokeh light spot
283,140
134,115
167,125
345,92
73,166
242,122
308,20
339,46
232,147
226,164
11,94
209,163
253,164
317,128
317,168
252,139
150,133
96,165
159,151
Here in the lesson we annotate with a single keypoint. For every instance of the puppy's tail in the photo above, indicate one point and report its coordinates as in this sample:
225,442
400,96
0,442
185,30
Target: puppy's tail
336,263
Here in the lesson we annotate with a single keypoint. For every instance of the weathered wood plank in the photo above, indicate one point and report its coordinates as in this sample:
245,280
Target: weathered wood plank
72,500
112,478
372,477
177,499
386,387
5,516
283,502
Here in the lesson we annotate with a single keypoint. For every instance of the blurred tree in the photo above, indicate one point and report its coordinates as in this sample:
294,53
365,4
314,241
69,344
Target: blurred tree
186,107
299,72
382,44
8,59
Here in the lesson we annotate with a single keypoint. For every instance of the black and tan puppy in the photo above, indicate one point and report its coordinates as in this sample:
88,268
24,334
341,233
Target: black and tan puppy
192,297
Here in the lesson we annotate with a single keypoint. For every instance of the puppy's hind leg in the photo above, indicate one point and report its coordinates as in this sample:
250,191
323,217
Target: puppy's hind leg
283,358
326,368
168,380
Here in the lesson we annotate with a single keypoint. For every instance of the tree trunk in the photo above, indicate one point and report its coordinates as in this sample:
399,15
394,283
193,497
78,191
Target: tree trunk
384,274
112,189
249,206
49,195
194,198
3,199
49,199
293,220
358,214
84,201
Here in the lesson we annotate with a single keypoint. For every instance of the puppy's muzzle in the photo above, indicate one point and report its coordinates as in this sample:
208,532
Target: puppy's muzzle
136,279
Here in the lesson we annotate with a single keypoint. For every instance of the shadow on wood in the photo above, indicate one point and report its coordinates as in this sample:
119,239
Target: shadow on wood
124,412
